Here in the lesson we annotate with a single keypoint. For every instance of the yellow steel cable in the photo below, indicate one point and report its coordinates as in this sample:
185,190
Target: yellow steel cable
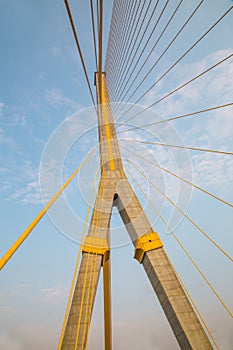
82,302
175,118
93,31
70,298
173,91
76,267
125,37
201,273
145,29
86,273
100,57
26,233
98,26
184,214
79,50
83,297
181,178
100,44
135,18
90,296
194,305
180,147
122,88
88,300
165,50
92,299
122,76
174,64
92,279
187,253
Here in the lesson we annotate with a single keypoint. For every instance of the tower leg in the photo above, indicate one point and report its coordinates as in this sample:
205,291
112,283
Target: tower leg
82,303
114,187
176,306
79,318
185,324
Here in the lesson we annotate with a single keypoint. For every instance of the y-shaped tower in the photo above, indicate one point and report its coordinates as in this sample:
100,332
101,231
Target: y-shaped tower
114,189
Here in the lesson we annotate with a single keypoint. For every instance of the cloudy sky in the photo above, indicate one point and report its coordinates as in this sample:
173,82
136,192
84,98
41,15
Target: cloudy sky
42,92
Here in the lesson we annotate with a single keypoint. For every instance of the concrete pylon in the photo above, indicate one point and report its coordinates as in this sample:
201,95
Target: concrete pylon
115,189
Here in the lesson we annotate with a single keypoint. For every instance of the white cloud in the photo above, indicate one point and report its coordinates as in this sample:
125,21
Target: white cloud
22,184
213,171
173,188
6,140
212,130
1,108
18,120
214,86
10,120
34,336
220,126
54,295
56,51
56,98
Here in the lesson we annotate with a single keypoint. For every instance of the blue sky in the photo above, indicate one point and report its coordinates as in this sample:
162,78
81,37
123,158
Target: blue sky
42,84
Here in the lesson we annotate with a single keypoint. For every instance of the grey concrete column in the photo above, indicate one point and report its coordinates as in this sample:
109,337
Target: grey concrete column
88,274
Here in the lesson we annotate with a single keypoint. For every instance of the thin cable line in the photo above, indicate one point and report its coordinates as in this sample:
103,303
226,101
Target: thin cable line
131,45
118,21
203,276
125,37
145,30
82,302
177,275
99,80
148,22
194,306
174,38
118,35
70,297
175,90
92,300
184,214
93,31
79,50
177,117
77,265
181,178
190,257
148,40
148,56
98,26
96,234
88,302
100,36
119,17
6,257
113,19
113,40
174,64
180,147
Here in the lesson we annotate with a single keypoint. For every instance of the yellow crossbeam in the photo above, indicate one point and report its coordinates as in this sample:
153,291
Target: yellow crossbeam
145,243
95,245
